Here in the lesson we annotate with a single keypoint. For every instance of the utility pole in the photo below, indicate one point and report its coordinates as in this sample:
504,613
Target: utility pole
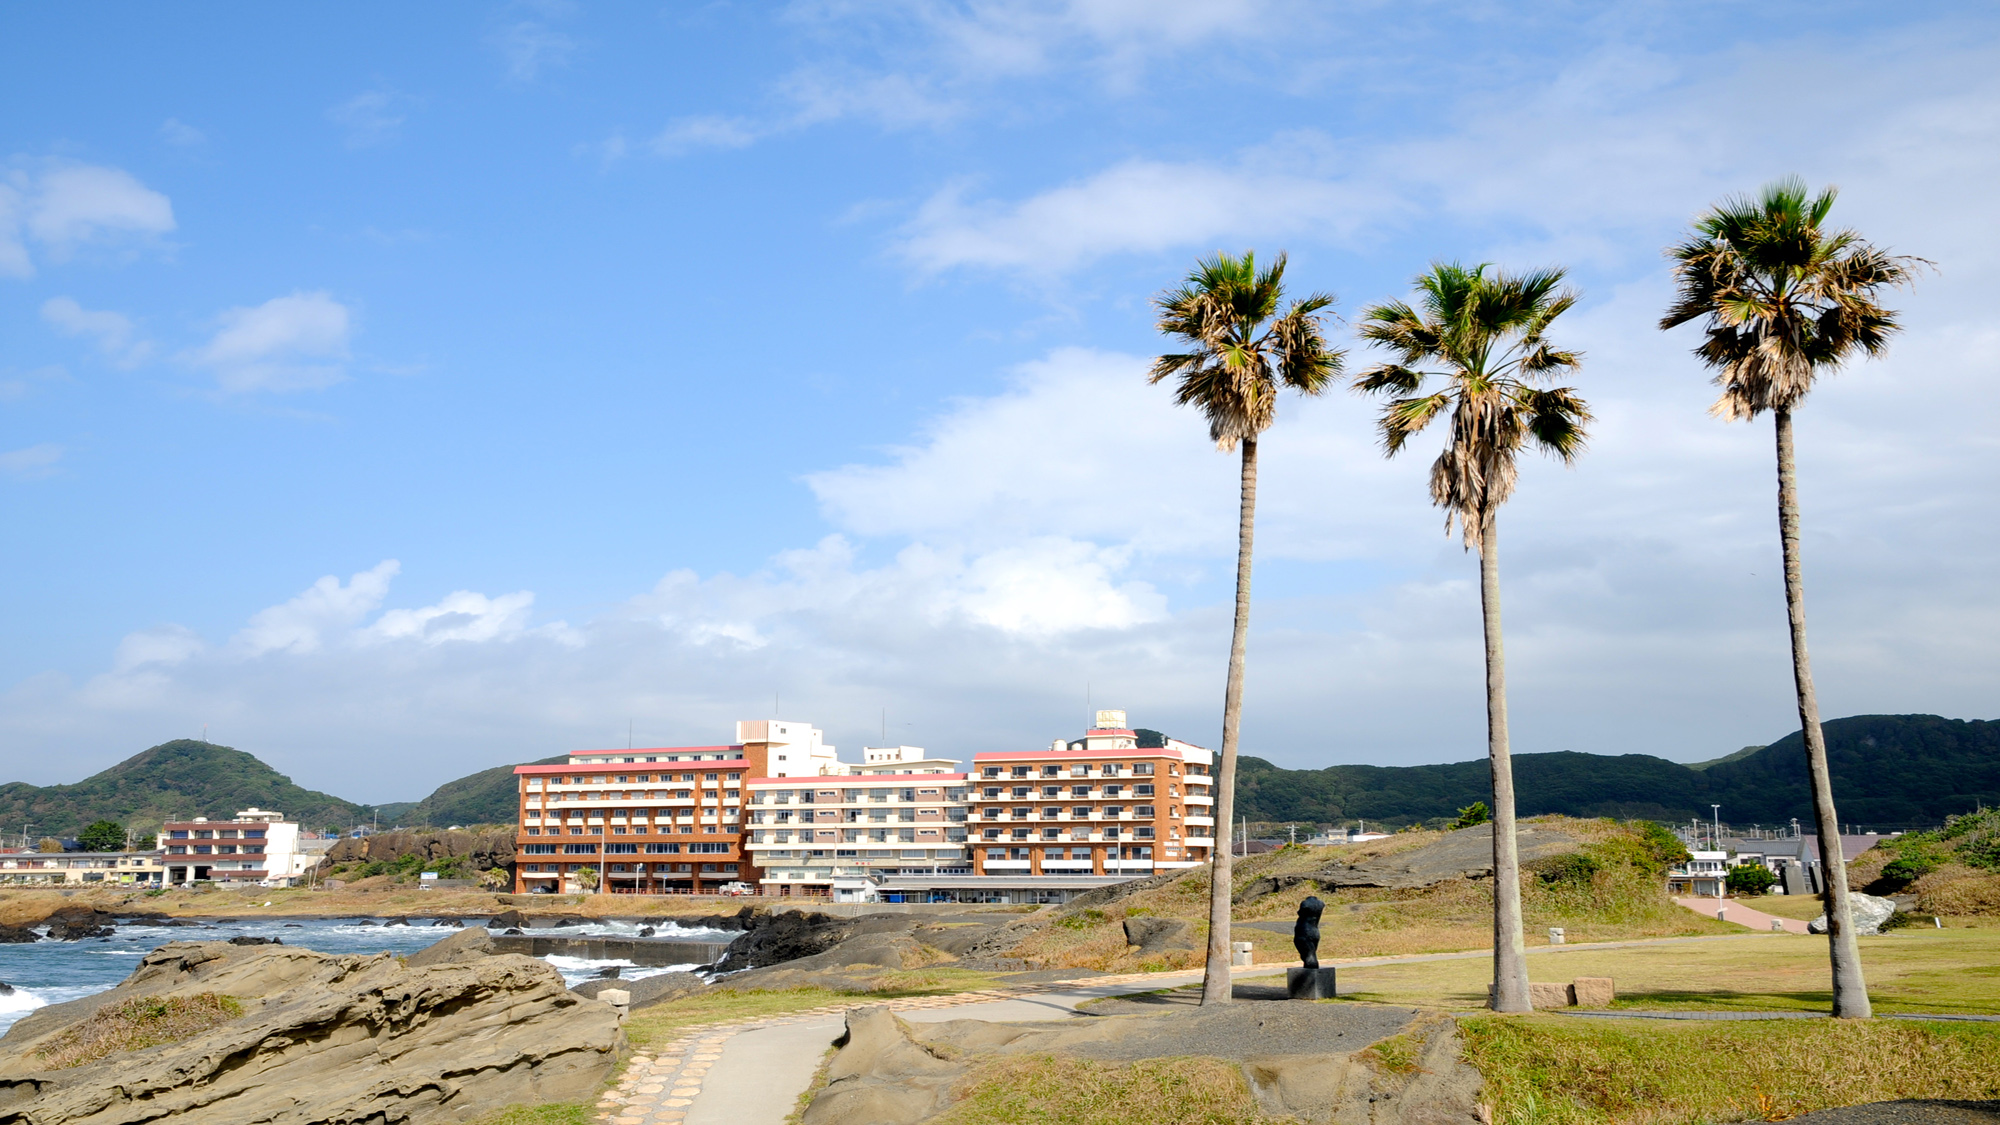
1718,826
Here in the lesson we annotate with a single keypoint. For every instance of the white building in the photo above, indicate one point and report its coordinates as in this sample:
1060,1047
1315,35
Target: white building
257,846
1705,875
899,811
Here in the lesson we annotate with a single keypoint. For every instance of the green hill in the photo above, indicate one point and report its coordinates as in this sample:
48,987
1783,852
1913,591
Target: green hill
1889,771
487,797
182,779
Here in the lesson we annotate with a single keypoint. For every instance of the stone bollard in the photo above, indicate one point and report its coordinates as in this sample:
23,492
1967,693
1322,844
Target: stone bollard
1240,953
619,999
1722,912
1777,925
1556,935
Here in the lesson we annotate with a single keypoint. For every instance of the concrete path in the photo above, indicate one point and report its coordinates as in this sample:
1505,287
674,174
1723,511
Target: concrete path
752,1071
1733,910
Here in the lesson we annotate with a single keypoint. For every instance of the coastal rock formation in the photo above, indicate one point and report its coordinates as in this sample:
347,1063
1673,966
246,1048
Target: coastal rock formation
1305,1061
74,923
646,991
1869,914
1159,935
1465,854
485,849
319,1038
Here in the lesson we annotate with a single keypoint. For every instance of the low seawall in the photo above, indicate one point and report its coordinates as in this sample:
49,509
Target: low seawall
639,951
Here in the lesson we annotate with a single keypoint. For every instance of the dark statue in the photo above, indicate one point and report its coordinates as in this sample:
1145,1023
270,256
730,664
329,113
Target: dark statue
1305,934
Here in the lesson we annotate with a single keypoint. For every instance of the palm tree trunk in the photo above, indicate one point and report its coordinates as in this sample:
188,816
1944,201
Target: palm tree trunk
1510,953
1215,981
1850,991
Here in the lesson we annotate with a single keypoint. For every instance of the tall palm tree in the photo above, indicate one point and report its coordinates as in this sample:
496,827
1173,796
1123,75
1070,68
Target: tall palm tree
1241,349
1488,336
1785,298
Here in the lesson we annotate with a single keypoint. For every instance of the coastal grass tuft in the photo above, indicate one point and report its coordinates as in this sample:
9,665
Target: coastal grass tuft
549,1113
144,1021
1556,1070
1048,1090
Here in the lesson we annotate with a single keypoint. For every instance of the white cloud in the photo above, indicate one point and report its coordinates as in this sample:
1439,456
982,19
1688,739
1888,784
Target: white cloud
462,616
371,117
529,47
112,331
289,343
17,386
31,463
303,624
180,134
1139,206
692,133
65,206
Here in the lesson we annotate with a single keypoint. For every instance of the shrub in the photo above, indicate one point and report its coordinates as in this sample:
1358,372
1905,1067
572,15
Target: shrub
1663,849
1472,814
1082,919
1573,868
144,1021
1910,868
1751,879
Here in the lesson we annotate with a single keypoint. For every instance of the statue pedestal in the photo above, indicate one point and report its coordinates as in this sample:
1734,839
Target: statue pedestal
1310,984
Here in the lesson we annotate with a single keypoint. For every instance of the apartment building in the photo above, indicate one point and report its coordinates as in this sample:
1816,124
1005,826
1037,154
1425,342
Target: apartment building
663,820
80,868
848,827
1112,803
257,846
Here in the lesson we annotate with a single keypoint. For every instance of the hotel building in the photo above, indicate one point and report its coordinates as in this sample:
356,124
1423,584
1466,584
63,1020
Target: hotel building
666,820
899,812
258,846
1113,802
778,812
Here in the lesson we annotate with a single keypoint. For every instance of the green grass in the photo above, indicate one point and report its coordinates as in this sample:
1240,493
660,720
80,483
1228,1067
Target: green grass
661,1021
1558,1070
552,1113
138,1023
1954,971
1046,1090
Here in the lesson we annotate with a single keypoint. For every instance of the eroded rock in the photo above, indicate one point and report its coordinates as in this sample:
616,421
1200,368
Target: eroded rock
322,1038
1465,854
1869,914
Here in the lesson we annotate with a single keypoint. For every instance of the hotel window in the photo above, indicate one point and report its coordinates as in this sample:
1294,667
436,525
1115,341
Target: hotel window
1142,790
990,771
1113,790
1142,810
1079,790
996,853
1051,833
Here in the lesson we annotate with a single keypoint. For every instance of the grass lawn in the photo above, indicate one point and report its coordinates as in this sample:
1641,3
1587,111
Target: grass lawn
1954,971
661,1022
1557,1070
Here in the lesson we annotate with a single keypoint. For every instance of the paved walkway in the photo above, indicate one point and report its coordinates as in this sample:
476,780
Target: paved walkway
1733,910
751,1071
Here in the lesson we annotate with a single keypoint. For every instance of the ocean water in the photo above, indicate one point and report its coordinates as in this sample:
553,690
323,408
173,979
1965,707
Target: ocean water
50,972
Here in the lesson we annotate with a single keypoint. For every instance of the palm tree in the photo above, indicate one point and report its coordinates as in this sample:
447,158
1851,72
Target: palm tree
1238,356
1785,298
1489,336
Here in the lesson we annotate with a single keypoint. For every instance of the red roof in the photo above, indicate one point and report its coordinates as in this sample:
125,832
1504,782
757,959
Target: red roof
848,778
1128,752
642,767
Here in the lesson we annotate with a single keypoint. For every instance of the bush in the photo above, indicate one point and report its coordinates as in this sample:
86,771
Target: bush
1910,868
1082,919
1751,879
1472,814
1663,848
1573,868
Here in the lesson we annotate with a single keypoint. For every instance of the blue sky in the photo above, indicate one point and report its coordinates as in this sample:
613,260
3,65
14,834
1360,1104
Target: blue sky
400,391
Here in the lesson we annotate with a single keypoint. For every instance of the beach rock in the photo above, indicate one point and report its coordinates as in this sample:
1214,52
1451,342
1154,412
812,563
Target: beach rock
396,922
466,945
646,991
506,919
322,1038
1869,914
244,940
6,989
1464,854
17,935
1159,935
773,939
881,1077
646,931
74,923
514,931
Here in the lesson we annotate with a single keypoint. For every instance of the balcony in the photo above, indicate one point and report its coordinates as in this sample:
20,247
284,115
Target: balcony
1202,821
